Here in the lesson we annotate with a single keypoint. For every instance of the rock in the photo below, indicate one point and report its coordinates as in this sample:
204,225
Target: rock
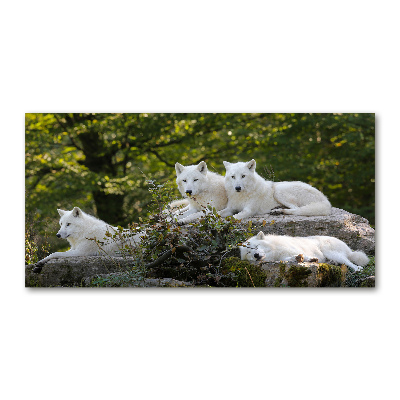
284,274
97,272
304,275
368,282
121,279
354,230
73,271
80,271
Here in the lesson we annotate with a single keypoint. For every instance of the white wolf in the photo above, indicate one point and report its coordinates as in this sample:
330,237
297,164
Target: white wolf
249,194
202,188
286,248
78,228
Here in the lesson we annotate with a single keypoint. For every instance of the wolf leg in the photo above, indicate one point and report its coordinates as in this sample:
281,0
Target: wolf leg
341,259
246,213
226,212
59,254
191,217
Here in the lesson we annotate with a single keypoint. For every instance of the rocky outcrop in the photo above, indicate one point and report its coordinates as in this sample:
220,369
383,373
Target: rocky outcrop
354,230
84,272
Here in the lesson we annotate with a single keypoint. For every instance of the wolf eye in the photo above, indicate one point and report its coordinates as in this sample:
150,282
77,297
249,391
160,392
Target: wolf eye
233,176
184,180
68,224
194,180
243,176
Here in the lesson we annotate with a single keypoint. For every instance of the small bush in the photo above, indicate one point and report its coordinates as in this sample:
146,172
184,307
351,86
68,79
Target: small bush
36,246
357,279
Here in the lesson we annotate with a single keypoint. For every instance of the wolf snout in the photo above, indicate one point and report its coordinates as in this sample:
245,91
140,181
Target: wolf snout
58,235
238,188
257,256
188,191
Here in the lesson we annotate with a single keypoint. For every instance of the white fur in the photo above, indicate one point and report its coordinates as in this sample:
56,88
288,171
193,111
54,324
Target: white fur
78,227
201,188
249,194
286,248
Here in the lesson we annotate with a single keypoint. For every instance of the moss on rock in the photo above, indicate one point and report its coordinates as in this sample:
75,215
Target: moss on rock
368,282
330,275
294,276
297,275
243,273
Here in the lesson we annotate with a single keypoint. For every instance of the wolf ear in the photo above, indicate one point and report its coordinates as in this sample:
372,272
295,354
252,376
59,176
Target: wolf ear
61,212
179,168
202,167
260,235
227,164
77,212
251,165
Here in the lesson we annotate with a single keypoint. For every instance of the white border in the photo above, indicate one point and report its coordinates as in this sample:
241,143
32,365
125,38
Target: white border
210,56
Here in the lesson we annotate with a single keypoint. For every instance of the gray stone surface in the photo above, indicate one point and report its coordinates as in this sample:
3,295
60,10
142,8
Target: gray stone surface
80,271
73,271
354,230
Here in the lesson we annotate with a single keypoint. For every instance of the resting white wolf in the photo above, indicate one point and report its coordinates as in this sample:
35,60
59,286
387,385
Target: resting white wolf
202,188
78,227
286,248
249,194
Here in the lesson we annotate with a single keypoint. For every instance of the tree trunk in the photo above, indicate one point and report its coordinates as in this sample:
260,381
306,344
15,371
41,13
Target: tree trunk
109,207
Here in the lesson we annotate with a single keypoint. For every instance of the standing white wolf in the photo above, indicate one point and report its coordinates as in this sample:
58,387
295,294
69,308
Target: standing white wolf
249,194
79,228
202,188
286,248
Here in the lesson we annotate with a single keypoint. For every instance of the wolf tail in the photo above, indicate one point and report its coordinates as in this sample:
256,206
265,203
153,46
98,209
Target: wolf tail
312,209
359,258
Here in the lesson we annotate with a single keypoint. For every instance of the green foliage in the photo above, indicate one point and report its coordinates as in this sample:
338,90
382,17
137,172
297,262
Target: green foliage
243,273
123,279
36,246
356,279
109,164
205,242
192,252
101,162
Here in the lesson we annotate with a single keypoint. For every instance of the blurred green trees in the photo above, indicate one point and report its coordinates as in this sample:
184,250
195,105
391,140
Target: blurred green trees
100,162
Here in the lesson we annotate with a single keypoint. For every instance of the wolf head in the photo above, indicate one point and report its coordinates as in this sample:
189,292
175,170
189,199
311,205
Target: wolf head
71,223
251,249
191,180
240,176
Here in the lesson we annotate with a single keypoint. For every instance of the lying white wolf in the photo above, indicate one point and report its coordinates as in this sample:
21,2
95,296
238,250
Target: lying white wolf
249,194
286,248
202,188
78,228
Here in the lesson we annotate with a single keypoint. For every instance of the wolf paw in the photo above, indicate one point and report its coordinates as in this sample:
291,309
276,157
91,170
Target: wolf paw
278,211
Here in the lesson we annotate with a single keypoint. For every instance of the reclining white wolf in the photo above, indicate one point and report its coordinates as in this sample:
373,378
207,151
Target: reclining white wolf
249,194
201,188
263,248
78,228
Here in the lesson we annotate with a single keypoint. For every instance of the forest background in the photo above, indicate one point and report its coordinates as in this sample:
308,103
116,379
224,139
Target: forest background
103,162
